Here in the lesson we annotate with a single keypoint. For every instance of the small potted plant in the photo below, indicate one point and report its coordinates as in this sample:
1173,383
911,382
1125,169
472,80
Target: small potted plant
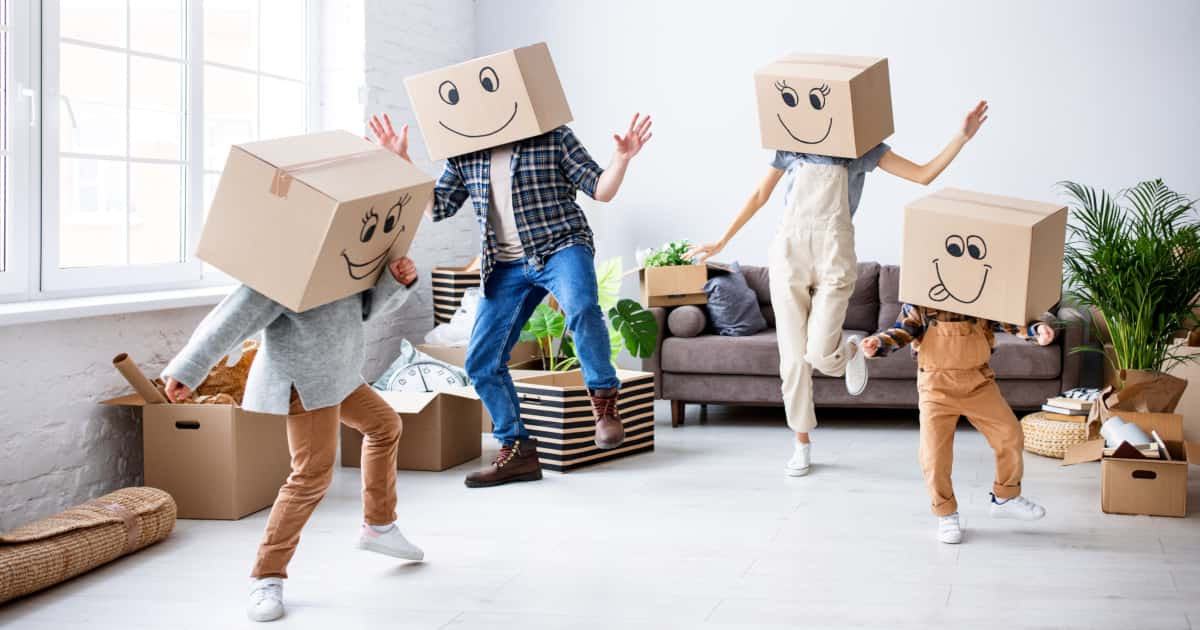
669,279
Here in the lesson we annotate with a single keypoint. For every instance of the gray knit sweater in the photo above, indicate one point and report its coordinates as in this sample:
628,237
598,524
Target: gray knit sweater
320,351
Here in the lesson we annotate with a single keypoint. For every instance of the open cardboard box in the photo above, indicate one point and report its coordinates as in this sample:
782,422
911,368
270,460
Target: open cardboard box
216,461
1132,485
441,430
526,359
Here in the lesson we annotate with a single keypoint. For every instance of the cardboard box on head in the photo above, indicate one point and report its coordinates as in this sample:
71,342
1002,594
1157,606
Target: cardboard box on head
489,101
824,104
310,219
993,257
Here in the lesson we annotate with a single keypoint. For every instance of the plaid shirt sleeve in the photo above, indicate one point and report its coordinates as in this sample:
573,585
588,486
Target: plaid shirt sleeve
1027,332
910,327
449,193
577,165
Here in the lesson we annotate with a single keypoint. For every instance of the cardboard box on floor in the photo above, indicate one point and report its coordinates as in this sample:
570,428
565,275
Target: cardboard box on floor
310,219
216,461
488,101
441,430
998,258
1155,487
824,104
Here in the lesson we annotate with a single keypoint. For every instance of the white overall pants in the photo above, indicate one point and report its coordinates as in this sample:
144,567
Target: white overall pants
813,269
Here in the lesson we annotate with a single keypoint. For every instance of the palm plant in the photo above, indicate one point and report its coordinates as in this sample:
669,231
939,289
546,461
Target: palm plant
1135,258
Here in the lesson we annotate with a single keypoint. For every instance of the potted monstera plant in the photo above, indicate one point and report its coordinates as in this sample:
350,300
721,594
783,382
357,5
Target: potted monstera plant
1134,259
630,325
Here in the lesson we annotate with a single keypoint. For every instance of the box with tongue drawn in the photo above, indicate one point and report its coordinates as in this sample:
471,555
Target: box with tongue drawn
310,219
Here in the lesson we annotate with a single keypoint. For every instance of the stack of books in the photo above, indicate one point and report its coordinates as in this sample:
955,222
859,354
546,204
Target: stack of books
1072,406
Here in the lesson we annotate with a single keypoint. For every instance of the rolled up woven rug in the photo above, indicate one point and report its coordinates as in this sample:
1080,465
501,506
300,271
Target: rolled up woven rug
60,547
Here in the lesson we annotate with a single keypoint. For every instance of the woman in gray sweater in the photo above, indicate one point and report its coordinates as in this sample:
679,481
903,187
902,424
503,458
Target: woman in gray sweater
309,367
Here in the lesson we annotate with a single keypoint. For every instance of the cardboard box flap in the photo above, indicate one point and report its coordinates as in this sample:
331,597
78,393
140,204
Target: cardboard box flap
995,208
1090,451
1168,425
128,400
1192,450
409,402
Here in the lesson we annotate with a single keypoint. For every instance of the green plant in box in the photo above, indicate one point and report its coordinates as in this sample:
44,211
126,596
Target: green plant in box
1135,258
671,255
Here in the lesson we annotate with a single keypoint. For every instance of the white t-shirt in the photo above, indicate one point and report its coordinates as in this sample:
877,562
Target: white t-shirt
500,206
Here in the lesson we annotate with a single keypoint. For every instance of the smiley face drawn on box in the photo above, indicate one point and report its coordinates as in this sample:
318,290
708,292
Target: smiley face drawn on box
376,237
488,101
824,104
964,257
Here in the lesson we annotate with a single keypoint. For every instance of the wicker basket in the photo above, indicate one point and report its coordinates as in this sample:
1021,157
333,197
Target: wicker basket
1051,438
58,548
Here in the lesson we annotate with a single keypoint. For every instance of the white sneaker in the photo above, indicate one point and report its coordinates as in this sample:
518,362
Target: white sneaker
856,368
1017,507
798,465
390,543
949,531
266,599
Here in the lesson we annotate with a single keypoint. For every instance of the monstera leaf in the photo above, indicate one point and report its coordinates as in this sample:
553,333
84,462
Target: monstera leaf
545,323
636,326
608,282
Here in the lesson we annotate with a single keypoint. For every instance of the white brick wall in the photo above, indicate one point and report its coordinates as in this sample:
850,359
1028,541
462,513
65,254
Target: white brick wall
57,446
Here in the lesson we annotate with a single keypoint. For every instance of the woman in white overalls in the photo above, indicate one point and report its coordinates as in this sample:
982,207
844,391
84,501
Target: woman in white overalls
813,266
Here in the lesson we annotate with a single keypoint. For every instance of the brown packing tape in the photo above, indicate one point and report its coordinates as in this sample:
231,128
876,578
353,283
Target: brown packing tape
138,380
281,181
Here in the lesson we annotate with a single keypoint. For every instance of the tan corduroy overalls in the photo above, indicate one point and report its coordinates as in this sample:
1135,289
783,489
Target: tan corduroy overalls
813,269
955,380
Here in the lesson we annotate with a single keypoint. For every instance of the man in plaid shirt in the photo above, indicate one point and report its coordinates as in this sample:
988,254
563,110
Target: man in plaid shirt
534,240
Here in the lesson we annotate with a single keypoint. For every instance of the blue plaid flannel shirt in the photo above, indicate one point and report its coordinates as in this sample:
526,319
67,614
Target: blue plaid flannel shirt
546,172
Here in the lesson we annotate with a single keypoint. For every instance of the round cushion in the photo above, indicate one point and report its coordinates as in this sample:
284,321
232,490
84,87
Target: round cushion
687,321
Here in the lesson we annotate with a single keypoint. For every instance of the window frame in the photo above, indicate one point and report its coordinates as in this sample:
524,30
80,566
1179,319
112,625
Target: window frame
44,279
22,203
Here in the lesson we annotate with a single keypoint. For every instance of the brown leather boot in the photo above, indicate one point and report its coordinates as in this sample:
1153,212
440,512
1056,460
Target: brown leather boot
610,433
518,462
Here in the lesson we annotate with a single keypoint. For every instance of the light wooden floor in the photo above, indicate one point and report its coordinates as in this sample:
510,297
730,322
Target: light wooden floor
706,531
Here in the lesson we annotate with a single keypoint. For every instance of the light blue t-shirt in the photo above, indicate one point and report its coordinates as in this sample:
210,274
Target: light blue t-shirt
858,168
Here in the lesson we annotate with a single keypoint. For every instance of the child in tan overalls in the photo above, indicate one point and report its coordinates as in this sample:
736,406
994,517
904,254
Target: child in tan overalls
813,265
954,380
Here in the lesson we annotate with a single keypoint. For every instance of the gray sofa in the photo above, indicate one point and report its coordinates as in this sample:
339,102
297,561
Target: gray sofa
707,368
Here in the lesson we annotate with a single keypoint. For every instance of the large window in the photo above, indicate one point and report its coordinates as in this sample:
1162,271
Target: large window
17,115
141,100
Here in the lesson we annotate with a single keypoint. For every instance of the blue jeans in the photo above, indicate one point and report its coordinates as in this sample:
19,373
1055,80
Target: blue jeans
513,290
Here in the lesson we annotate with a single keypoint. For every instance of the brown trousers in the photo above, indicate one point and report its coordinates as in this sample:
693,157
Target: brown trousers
955,380
312,440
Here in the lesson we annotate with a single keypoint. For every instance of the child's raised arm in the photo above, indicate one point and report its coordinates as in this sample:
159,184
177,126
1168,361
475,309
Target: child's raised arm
757,200
1036,331
925,173
910,327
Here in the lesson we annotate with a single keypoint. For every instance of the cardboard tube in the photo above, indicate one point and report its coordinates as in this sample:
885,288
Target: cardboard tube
142,385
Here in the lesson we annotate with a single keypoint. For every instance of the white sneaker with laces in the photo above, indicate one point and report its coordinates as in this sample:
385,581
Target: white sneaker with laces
856,368
798,465
1017,507
389,543
266,599
949,531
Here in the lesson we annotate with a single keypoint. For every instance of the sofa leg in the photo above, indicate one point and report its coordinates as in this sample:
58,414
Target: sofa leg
677,413
703,413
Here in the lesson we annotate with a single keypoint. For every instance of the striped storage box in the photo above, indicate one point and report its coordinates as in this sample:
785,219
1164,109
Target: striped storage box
557,411
449,285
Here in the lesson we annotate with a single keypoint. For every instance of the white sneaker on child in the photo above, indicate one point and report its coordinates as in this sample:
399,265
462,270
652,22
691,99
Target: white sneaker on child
266,599
856,368
1017,507
798,465
949,531
389,542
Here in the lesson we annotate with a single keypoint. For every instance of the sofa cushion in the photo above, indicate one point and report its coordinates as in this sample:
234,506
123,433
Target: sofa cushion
759,279
863,310
756,355
889,296
732,305
687,321
1013,359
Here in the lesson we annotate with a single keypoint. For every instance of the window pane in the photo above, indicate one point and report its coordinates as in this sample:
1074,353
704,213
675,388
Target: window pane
92,104
91,202
99,21
3,134
283,49
231,32
156,108
156,26
155,213
210,190
283,106
230,112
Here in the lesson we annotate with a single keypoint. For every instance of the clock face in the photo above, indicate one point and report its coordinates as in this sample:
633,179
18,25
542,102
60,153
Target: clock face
424,377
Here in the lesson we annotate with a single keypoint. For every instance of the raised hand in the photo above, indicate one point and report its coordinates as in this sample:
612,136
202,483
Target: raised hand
975,119
403,270
1045,334
635,138
386,136
870,346
701,253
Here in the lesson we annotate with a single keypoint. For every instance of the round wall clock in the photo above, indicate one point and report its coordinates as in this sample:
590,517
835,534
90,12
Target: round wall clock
424,376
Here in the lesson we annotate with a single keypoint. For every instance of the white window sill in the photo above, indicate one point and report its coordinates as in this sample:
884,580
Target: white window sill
35,311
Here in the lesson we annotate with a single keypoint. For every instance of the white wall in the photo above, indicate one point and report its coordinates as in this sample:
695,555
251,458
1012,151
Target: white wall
1098,92
57,446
